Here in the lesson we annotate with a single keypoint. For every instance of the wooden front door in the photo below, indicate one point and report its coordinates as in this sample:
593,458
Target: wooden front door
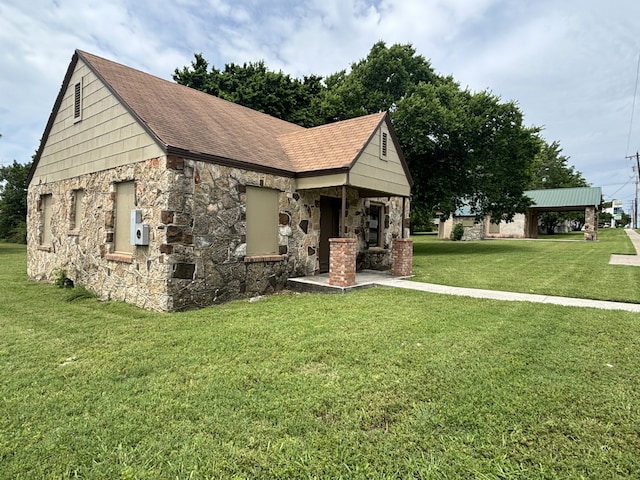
330,209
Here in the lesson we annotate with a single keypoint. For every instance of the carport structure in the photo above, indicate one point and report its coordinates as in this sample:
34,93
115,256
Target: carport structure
587,199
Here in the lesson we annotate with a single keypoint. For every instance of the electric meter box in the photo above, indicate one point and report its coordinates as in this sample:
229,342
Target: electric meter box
139,232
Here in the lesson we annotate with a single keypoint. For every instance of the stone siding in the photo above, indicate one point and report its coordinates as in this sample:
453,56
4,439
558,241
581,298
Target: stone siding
86,252
196,213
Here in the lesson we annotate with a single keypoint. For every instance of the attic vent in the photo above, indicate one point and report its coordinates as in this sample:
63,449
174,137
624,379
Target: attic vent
383,145
77,101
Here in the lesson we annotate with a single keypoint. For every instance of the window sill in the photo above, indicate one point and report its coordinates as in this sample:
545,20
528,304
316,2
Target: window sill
119,257
45,248
378,249
264,258
73,233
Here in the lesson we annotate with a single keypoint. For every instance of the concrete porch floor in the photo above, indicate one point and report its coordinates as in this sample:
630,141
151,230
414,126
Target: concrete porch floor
320,283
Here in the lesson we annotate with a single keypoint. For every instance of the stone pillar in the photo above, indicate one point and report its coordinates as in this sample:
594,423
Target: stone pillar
342,261
590,225
401,257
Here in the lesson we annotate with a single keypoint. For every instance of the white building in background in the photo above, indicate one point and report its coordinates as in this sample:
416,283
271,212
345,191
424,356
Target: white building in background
616,212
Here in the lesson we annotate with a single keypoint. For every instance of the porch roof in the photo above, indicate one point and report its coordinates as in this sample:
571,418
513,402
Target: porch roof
565,199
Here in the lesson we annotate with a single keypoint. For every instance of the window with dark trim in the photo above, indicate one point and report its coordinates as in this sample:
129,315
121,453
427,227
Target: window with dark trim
374,232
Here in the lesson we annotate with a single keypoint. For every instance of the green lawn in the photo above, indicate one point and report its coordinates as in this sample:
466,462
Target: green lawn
552,265
375,384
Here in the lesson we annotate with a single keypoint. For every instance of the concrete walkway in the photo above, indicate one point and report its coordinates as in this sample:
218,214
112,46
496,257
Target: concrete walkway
633,260
509,296
367,278
370,278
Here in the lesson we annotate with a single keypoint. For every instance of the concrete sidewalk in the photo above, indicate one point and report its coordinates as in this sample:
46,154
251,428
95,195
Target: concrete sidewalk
369,278
509,296
633,260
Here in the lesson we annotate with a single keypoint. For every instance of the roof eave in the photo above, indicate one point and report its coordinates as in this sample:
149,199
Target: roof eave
227,162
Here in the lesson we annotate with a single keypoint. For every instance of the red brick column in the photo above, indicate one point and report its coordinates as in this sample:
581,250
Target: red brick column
401,257
342,261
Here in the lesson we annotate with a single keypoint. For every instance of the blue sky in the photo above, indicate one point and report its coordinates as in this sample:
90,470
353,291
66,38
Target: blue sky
571,65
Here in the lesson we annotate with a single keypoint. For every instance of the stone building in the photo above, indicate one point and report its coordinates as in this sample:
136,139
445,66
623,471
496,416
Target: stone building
526,225
149,192
585,200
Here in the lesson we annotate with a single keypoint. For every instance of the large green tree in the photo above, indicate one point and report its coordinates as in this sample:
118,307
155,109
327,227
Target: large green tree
460,146
13,202
253,85
552,170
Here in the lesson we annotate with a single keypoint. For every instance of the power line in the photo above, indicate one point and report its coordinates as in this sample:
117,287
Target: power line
637,177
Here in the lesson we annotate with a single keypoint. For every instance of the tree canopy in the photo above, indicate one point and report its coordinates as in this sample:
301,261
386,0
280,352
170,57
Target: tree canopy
253,85
460,146
13,202
551,170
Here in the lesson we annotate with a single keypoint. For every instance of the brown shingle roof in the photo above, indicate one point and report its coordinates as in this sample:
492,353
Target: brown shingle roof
332,146
198,125
193,121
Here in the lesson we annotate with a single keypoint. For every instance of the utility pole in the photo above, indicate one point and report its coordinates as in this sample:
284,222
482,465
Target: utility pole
637,170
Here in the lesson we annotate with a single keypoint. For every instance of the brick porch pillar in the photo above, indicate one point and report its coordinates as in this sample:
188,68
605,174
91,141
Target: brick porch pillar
342,261
401,257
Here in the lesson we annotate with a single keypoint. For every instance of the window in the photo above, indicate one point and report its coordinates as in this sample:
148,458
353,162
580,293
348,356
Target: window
125,202
383,144
374,233
77,102
45,218
262,221
76,209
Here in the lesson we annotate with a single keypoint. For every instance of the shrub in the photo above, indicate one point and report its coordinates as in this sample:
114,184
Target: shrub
458,232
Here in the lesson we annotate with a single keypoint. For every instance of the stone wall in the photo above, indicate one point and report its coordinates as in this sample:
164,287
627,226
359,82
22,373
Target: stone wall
86,252
474,232
196,255
513,229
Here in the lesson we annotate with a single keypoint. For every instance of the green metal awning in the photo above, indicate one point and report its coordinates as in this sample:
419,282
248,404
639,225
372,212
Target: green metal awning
557,199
